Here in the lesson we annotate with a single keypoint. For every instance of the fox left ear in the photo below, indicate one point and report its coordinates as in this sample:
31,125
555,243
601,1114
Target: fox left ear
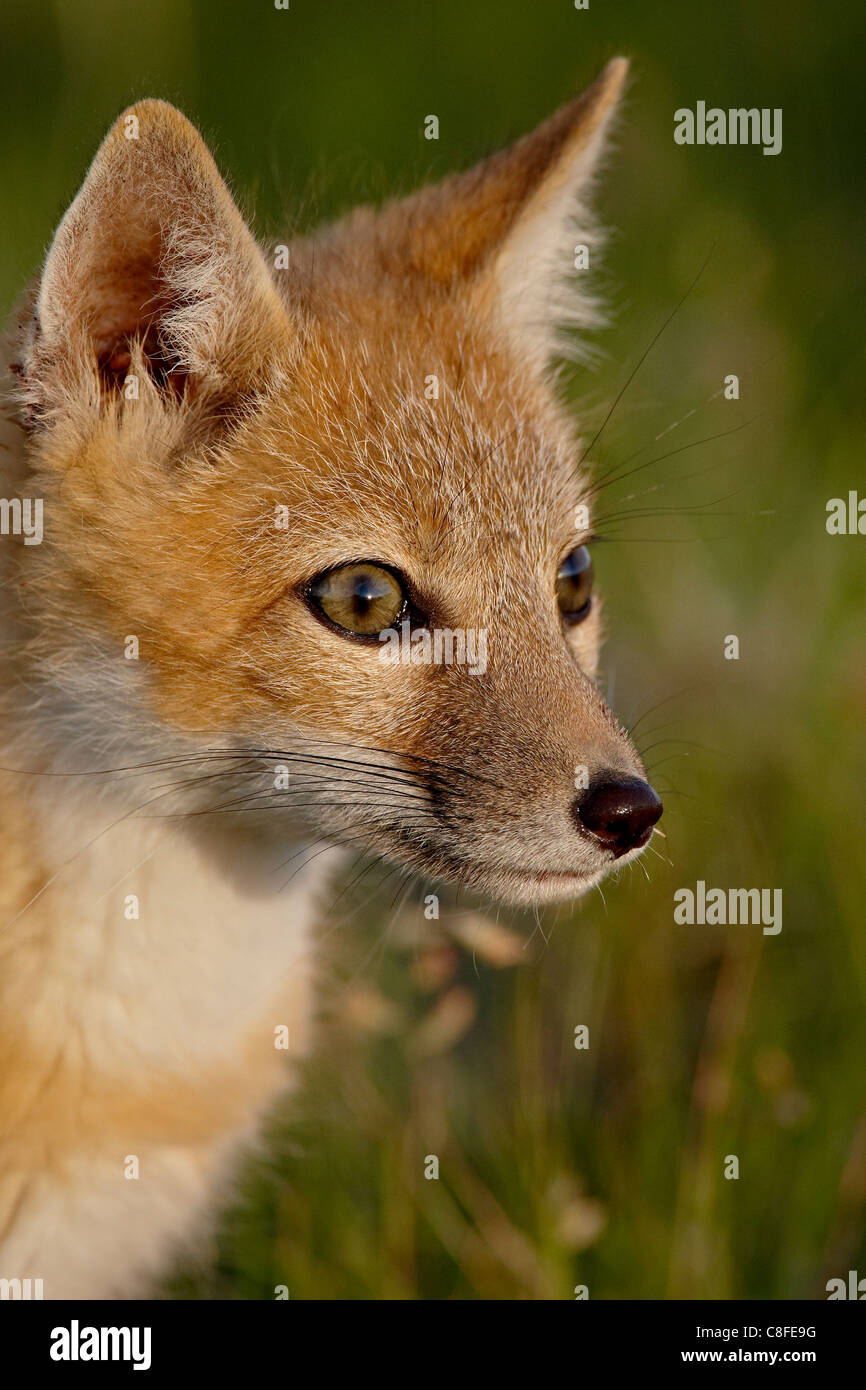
510,231
152,258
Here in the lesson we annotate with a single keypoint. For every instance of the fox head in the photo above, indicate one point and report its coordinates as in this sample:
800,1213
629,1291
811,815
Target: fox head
329,504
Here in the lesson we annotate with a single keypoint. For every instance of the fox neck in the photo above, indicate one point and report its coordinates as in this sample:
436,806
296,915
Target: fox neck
156,939
160,937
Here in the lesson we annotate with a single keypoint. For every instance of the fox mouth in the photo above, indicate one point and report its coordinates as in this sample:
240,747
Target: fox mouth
500,880
551,875
536,886
524,886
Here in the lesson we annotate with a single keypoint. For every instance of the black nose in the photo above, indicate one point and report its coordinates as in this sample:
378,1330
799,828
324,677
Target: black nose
619,811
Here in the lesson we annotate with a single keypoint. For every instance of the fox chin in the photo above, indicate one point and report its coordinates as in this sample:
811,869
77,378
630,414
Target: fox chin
250,463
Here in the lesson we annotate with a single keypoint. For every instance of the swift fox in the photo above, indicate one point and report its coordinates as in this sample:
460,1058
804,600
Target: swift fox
250,469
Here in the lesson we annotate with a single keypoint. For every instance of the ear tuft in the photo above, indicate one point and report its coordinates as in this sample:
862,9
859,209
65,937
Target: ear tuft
538,284
506,231
153,254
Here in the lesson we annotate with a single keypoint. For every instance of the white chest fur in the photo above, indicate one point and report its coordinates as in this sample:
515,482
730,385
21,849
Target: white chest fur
157,968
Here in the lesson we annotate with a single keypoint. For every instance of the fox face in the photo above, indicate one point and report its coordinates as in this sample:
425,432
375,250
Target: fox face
317,530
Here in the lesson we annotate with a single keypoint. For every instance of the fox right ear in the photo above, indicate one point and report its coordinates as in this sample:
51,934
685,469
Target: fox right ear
152,257
506,233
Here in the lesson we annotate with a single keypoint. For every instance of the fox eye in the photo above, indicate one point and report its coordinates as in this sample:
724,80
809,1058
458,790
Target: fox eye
574,586
364,599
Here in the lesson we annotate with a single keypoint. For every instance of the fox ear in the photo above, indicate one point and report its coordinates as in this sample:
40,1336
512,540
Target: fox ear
510,229
153,251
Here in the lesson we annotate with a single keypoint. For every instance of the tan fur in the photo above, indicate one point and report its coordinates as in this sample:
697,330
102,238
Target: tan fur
301,390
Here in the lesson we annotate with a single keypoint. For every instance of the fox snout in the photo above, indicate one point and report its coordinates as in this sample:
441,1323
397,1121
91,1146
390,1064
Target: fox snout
618,812
535,790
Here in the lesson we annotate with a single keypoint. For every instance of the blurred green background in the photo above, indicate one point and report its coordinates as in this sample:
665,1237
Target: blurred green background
558,1166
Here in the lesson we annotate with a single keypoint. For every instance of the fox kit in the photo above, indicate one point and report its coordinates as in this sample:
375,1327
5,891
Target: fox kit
251,470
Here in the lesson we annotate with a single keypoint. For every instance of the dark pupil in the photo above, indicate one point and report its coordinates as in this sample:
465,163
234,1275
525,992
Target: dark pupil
365,591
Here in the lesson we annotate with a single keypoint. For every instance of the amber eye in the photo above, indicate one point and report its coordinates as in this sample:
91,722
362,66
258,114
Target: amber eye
363,598
574,585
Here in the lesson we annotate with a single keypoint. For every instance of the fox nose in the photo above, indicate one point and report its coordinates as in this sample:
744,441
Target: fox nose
619,811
